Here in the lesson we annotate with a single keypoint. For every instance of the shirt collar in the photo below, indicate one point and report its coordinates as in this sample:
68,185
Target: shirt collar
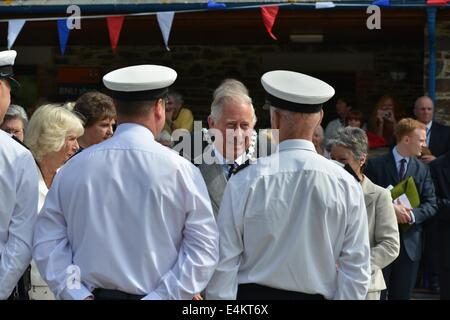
221,160
296,144
135,128
398,156
429,125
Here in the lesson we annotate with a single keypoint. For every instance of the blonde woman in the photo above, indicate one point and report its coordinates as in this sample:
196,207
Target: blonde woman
51,135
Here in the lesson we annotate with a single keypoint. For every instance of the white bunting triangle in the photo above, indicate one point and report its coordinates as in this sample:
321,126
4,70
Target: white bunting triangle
14,28
165,20
325,5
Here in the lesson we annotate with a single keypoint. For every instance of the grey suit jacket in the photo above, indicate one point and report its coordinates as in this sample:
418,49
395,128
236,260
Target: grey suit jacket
215,182
383,231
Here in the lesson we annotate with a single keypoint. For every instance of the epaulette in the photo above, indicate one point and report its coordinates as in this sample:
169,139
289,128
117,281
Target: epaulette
242,166
20,142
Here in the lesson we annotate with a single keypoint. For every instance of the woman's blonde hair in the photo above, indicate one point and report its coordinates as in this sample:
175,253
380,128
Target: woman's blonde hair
48,128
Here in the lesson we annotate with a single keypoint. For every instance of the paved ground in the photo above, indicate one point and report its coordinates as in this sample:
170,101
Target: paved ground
424,294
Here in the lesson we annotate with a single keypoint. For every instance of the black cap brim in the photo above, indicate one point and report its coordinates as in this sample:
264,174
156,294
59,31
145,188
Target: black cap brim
13,82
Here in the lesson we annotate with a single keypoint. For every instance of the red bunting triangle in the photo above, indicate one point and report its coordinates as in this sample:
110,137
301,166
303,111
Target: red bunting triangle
114,28
437,2
269,14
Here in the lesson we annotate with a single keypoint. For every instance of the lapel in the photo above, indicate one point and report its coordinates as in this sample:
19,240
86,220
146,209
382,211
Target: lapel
369,191
392,168
215,182
445,167
412,167
433,134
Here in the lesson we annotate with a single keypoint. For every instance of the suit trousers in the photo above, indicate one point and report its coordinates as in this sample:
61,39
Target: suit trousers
400,277
444,259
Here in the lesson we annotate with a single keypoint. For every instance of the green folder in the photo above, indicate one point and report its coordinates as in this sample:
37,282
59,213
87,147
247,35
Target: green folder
408,187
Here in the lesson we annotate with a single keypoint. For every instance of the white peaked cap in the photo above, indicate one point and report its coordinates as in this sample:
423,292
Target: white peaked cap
295,91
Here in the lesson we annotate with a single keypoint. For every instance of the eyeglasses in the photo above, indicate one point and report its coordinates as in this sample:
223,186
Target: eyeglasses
13,131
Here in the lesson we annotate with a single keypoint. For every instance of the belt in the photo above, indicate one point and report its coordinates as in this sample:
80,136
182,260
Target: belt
254,291
108,294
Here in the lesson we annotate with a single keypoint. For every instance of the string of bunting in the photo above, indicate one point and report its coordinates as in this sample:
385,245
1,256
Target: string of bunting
269,13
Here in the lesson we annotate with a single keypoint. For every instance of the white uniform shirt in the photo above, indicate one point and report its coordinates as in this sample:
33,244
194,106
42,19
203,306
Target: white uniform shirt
133,216
286,224
18,211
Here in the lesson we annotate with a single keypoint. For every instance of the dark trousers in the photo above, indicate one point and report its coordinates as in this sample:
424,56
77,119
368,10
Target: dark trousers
444,259
20,291
430,257
400,277
253,291
107,294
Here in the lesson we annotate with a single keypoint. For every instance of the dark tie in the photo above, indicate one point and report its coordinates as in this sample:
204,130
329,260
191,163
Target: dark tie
231,167
402,171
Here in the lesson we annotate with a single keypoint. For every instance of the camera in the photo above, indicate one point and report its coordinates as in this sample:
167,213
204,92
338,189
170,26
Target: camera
387,114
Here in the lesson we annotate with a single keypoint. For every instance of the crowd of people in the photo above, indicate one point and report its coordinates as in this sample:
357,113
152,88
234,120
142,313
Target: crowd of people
98,201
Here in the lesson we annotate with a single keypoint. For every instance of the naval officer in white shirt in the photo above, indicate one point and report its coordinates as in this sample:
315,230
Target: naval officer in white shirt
18,193
128,218
293,225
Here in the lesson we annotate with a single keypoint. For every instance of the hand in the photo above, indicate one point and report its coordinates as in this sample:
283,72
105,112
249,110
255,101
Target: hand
427,159
198,296
391,117
402,213
380,115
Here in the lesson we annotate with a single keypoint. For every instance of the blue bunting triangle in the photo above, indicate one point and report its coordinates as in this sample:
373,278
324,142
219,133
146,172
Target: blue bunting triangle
382,3
63,33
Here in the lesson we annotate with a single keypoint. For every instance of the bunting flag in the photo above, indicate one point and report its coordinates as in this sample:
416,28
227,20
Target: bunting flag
165,20
325,5
216,5
114,28
382,3
14,28
269,14
63,33
437,2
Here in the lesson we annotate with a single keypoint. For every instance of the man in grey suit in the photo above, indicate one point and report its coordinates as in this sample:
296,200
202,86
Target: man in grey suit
231,122
390,169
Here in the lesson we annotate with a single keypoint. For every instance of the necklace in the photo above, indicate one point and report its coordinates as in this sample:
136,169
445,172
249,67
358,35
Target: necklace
249,153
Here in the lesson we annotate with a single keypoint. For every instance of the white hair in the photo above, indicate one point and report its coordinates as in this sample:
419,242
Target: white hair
48,128
230,91
16,111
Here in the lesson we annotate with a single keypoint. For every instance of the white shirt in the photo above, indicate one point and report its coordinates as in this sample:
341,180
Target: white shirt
35,277
224,162
398,158
18,207
286,221
133,216
428,132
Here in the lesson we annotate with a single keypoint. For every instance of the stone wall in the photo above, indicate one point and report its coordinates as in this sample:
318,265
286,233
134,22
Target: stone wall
202,68
442,71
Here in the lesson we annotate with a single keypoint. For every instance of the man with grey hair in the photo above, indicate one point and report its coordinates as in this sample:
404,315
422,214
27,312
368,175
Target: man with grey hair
293,225
231,124
437,144
437,135
15,121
